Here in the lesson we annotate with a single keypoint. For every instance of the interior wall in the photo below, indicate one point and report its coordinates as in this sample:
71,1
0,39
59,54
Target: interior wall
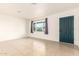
12,27
53,26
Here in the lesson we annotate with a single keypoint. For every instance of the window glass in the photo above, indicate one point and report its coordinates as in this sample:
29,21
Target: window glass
39,26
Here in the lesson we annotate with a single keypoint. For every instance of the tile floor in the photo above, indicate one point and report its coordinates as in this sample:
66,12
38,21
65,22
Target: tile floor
36,47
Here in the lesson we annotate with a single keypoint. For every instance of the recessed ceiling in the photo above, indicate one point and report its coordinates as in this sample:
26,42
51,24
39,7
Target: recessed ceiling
30,10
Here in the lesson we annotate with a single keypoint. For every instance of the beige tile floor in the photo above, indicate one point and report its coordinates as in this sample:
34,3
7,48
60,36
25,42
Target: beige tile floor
36,47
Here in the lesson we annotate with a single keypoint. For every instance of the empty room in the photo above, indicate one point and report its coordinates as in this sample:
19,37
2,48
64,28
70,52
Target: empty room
39,29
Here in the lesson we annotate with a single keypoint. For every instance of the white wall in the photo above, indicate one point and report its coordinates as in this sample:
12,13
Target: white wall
12,27
53,26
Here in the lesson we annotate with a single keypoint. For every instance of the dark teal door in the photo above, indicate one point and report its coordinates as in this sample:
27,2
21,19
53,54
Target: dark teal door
66,25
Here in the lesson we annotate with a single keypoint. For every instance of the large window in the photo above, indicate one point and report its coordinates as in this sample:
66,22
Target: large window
39,25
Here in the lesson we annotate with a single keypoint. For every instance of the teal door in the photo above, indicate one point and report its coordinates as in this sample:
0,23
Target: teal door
66,28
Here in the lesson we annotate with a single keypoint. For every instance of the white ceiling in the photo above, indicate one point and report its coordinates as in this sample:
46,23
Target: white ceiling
31,10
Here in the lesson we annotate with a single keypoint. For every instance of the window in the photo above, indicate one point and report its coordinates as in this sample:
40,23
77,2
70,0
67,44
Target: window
39,26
